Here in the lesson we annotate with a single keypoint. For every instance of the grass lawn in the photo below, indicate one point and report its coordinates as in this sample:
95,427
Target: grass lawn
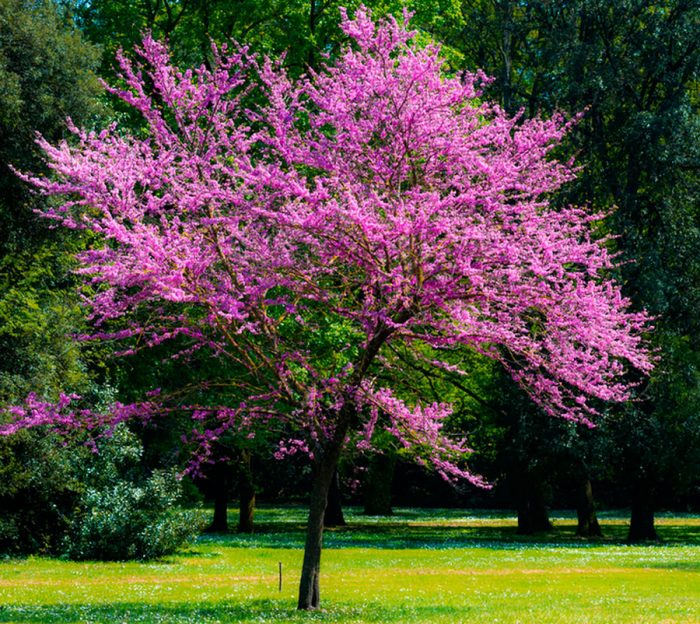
418,566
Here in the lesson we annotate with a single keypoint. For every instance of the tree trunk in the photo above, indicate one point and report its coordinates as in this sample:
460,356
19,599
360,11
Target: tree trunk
642,517
585,510
533,517
380,476
309,597
333,517
246,510
246,494
532,511
506,47
220,478
313,17
220,522
326,464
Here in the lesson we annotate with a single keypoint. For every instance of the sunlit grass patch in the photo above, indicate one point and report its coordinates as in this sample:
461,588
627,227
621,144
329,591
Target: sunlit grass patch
416,566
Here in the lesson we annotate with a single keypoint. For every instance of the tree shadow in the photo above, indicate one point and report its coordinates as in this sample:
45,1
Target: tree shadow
679,533
682,566
204,613
445,535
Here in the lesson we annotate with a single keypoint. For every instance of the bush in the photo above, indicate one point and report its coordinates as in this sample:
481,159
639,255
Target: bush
129,520
127,512
39,493
59,498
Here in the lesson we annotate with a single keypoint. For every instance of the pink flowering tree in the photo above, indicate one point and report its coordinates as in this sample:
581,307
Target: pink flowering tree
298,231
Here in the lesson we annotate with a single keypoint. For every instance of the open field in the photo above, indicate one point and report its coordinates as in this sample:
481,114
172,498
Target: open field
418,566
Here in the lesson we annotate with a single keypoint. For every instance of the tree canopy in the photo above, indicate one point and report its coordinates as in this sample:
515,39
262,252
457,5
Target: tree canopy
297,228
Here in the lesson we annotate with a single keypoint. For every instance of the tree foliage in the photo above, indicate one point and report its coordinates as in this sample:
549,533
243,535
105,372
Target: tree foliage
376,202
39,494
46,73
633,66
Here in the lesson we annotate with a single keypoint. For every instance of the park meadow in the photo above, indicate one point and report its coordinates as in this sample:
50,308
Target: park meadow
419,565
430,264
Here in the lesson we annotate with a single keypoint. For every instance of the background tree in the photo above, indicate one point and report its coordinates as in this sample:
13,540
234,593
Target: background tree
539,459
39,492
46,74
301,29
635,65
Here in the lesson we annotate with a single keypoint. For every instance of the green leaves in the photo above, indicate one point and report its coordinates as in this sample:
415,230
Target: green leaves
126,513
45,76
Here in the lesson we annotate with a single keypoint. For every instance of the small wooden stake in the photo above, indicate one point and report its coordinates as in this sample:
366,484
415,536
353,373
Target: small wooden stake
280,576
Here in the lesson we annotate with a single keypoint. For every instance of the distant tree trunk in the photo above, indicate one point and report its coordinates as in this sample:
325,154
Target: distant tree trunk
313,18
532,511
380,477
588,525
220,522
642,517
246,493
533,517
221,479
333,516
505,11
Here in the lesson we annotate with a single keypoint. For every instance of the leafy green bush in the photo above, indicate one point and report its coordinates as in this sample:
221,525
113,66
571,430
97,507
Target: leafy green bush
128,520
38,493
128,513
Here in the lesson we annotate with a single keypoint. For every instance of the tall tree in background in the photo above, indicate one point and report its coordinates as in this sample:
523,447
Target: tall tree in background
636,65
46,74
537,456
305,31
302,29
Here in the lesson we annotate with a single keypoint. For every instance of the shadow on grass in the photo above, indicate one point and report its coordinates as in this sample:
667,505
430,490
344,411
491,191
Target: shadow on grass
400,535
203,613
682,566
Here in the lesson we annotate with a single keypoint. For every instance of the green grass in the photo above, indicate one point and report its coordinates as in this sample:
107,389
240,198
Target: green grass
418,566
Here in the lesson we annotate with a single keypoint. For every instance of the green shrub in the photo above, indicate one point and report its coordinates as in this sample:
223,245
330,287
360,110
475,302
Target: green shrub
130,520
58,498
127,512
39,493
